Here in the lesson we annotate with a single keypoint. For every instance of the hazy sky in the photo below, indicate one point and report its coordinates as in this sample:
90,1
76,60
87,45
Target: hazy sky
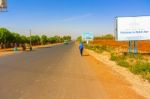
59,17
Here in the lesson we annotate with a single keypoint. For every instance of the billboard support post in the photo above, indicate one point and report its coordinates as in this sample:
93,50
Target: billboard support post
30,41
87,41
130,46
135,47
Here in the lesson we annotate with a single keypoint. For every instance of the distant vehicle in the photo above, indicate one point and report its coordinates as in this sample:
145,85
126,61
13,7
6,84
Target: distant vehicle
66,42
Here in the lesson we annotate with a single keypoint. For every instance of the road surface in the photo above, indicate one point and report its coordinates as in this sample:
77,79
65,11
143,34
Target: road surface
57,72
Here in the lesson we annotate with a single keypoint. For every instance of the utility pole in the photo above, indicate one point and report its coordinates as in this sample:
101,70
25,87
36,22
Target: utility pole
30,41
3,8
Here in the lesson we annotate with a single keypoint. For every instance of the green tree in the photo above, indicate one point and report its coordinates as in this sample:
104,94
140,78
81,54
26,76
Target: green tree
5,36
24,39
44,39
35,39
79,39
7,39
52,40
58,39
16,38
67,38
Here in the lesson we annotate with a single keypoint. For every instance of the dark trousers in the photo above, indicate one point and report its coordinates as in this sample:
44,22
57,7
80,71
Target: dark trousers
81,51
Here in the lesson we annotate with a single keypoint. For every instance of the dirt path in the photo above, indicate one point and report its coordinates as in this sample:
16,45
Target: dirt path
114,83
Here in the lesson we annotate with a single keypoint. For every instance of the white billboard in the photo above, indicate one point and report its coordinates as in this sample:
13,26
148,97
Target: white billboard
133,28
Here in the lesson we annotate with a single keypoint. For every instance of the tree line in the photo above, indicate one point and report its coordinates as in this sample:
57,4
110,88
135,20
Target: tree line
107,36
10,39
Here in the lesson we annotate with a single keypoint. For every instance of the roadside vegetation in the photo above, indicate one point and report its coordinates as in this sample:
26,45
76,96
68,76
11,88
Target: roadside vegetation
108,36
137,64
79,39
105,37
10,39
98,48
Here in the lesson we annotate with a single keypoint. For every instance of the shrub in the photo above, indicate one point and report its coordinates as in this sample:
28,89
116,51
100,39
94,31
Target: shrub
113,57
140,68
123,63
147,76
120,60
137,56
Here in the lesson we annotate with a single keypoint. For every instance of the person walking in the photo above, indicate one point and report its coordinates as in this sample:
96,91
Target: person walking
81,47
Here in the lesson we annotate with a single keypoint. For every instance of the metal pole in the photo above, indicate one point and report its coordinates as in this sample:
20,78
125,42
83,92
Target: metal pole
87,41
135,47
3,8
130,47
30,41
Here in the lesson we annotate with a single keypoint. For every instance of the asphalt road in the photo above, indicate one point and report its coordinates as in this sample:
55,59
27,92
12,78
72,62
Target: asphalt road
57,72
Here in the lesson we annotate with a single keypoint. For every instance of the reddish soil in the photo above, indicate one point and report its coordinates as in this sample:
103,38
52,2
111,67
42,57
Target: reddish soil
142,45
113,83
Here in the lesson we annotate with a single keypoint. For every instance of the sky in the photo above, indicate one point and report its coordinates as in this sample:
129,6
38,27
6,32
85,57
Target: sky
69,17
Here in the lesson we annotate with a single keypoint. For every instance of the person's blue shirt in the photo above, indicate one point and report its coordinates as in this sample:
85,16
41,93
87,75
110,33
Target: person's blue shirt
81,46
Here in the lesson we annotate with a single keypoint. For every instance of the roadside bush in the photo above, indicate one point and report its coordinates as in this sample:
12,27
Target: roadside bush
140,68
113,57
109,49
98,48
147,76
120,60
123,63
137,56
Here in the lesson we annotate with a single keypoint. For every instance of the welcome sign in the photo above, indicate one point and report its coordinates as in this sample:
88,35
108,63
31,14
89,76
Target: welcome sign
133,28
87,36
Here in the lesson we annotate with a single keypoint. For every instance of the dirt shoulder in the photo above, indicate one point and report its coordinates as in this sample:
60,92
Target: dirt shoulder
119,82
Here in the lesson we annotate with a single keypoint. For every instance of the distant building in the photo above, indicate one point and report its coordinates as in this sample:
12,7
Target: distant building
3,3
